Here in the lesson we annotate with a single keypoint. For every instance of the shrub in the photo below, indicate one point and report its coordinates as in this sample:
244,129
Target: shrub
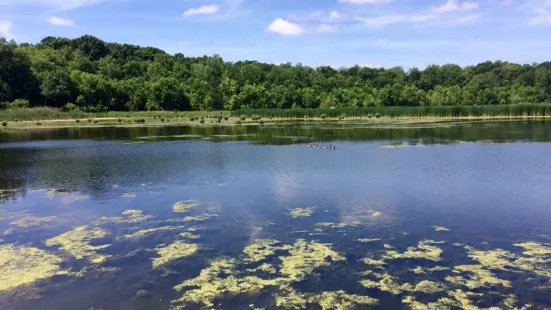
202,121
226,118
324,116
18,104
77,121
191,119
89,120
261,122
95,121
4,123
38,123
162,119
140,121
70,107
238,122
168,121
377,115
369,115
119,120
16,120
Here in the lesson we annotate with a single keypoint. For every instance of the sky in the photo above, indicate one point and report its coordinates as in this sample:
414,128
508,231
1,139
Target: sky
338,33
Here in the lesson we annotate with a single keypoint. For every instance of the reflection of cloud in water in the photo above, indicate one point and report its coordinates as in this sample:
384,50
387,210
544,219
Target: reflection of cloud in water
285,185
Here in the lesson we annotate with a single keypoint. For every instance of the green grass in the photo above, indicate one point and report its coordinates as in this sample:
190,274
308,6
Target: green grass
429,111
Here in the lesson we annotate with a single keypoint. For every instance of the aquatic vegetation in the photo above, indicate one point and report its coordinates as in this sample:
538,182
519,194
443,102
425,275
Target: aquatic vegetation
440,228
77,243
332,225
305,257
478,277
20,265
264,268
33,221
388,246
174,252
184,206
129,216
128,195
534,249
492,259
200,218
374,262
367,240
429,287
301,212
384,282
440,304
144,232
377,214
215,281
424,250
189,235
421,270
288,298
261,249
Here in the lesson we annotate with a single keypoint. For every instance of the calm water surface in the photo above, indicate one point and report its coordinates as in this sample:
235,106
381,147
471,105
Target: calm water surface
372,218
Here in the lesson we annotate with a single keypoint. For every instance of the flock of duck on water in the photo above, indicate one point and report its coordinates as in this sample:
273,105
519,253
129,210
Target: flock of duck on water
320,146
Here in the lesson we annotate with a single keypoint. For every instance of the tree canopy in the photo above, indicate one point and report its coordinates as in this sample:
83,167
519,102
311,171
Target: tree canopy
93,75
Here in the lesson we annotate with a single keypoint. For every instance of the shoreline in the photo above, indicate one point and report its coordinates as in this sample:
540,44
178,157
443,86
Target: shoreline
102,122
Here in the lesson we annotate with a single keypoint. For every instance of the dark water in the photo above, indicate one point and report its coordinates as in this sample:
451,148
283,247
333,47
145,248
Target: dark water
489,184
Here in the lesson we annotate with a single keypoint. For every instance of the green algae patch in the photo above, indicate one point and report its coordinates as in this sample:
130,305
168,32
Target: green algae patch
305,257
77,243
200,218
429,287
384,282
33,221
440,228
534,249
173,252
263,268
145,232
189,235
376,214
368,240
262,249
477,277
441,304
301,212
424,250
184,206
128,216
374,262
288,298
215,281
388,246
20,266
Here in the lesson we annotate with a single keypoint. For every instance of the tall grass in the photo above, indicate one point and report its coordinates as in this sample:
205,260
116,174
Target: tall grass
530,110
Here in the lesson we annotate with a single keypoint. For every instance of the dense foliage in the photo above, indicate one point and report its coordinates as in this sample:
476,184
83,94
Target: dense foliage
91,75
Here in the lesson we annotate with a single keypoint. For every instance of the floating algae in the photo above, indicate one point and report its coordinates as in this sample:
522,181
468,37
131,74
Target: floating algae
128,195
184,206
441,304
288,298
421,270
429,287
374,262
424,250
144,232
199,218
264,268
174,252
216,281
385,283
77,243
301,212
332,225
534,249
440,228
261,249
478,277
367,240
377,214
129,216
33,221
189,235
388,246
305,257
21,265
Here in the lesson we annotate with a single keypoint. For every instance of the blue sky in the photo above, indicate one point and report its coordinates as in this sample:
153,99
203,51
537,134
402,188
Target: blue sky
313,32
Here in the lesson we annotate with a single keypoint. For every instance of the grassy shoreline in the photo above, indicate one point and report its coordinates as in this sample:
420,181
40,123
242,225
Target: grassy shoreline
138,120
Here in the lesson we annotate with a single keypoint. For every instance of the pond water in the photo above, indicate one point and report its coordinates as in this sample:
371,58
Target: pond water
442,217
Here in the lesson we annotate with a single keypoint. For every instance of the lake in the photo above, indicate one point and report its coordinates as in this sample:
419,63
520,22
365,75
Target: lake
446,216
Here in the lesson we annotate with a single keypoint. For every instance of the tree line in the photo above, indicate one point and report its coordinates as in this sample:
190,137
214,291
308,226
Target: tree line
91,75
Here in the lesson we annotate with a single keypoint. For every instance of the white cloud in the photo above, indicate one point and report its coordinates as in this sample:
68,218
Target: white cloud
58,21
454,6
364,2
62,5
324,28
543,15
203,10
5,29
286,28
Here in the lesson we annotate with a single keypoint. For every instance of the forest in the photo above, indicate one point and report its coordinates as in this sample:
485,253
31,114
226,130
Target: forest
87,74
